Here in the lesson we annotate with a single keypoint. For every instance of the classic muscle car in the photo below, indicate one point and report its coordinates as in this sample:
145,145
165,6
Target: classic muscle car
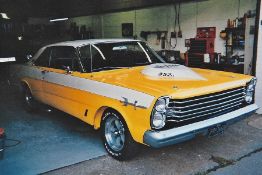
125,89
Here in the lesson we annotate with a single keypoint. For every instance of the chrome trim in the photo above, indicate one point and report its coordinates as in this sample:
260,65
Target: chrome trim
125,102
159,139
205,114
208,101
209,96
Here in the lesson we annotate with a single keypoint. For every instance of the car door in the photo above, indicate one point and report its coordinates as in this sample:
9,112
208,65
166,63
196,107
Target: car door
36,73
59,77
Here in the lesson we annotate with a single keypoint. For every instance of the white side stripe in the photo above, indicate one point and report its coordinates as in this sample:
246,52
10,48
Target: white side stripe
96,87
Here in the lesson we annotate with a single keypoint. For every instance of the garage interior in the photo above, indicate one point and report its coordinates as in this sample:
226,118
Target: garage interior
220,35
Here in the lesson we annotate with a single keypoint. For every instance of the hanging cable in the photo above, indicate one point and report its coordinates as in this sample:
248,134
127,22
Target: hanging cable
16,142
238,9
175,32
135,26
167,27
178,17
175,18
196,12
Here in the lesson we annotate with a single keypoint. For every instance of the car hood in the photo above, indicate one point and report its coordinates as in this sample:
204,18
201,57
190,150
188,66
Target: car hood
176,81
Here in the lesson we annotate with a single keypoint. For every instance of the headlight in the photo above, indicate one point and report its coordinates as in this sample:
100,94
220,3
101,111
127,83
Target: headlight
252,84
250,89
160,105
249,96
158,120
158,116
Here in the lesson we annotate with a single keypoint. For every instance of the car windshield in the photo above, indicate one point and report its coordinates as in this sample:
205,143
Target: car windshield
106,56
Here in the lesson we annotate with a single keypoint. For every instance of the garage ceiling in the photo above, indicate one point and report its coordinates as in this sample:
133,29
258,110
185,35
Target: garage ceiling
21,9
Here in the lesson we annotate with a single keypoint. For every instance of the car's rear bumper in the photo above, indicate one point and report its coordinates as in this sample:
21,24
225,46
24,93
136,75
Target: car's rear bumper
159,139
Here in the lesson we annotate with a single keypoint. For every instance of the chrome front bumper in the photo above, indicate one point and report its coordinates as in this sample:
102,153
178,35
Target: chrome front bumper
159,139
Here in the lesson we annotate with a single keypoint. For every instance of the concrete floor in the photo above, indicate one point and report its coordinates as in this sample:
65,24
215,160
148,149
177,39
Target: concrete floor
248,165
238,151
47,141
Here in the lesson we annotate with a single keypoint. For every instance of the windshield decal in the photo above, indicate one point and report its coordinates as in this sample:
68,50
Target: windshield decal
119,48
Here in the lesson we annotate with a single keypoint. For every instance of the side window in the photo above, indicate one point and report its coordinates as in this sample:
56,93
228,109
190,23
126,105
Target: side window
43,59
63,57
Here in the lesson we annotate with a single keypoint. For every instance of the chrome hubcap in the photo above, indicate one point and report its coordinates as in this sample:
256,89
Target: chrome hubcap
114,133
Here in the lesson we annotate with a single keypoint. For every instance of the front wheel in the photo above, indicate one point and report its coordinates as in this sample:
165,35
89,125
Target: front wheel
117,139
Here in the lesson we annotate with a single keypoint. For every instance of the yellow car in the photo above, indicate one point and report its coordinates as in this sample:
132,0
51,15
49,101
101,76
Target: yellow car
125,89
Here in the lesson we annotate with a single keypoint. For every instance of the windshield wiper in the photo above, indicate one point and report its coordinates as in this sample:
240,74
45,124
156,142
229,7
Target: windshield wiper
108,68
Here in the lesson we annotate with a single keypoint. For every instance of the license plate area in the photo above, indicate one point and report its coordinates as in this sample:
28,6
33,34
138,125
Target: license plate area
216,130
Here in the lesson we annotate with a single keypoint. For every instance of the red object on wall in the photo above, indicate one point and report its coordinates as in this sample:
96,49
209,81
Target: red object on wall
203,43
206,32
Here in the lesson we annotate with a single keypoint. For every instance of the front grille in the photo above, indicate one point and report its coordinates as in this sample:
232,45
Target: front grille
199,108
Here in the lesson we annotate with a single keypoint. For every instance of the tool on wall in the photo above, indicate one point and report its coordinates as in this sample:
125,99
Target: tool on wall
163,40
127,30
160,34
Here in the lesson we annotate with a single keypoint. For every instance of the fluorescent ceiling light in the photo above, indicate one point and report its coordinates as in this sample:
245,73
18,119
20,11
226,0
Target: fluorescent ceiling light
58,19
9,59
4,15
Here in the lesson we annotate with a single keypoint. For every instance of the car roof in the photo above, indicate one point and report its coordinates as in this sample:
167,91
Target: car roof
78,43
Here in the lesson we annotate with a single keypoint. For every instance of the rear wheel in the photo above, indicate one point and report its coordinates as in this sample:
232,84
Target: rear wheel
117,139
29,102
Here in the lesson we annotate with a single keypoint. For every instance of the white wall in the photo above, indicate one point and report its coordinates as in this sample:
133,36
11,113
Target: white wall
259,66
201,14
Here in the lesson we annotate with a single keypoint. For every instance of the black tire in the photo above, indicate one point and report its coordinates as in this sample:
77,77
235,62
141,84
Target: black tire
30,104
129,148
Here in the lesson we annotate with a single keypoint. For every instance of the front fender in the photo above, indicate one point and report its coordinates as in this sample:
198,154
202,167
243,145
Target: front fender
137,119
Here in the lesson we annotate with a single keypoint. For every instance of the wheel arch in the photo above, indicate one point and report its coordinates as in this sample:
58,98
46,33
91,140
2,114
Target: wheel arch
24,84
100,112
136,124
